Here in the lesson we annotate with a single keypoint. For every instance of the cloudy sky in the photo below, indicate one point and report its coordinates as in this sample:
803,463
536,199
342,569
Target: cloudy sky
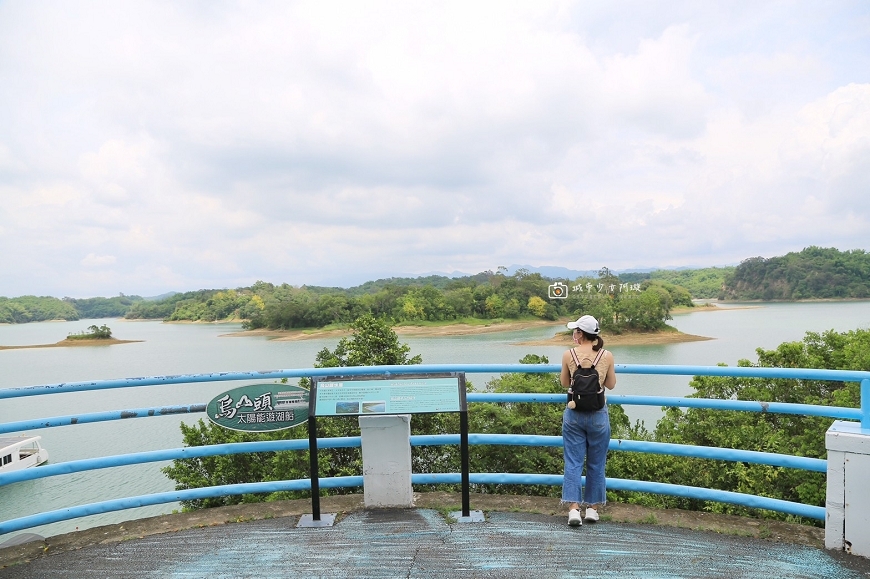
147,147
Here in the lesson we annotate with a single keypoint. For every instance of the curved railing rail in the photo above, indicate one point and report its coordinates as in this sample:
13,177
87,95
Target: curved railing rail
817,465
672,370
623,399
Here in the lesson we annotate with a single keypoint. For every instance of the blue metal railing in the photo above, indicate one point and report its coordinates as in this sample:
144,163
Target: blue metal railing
816,465
730,454
624,399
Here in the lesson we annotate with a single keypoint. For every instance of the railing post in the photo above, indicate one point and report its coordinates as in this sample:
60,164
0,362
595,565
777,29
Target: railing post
847,504
865,404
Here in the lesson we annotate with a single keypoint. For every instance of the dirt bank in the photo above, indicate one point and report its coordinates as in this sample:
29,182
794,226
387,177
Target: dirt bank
445,330
627,339
73,344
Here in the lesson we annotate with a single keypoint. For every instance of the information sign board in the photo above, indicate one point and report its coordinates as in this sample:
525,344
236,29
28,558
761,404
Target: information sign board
371,395
260,407
405,394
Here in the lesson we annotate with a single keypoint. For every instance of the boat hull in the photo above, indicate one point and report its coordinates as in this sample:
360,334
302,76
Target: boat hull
21,453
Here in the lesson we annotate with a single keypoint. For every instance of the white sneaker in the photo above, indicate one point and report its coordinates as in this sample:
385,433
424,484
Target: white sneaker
574,518
591,515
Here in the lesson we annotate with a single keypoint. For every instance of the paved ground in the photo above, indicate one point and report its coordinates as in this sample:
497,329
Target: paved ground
422,543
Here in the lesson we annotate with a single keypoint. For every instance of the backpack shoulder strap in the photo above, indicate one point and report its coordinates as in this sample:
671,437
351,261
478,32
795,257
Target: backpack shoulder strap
576,359
598,357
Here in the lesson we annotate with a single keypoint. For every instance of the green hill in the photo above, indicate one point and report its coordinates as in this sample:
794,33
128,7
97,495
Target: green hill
813,273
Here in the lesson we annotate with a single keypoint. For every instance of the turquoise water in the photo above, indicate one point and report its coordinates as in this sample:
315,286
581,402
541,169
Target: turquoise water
193,348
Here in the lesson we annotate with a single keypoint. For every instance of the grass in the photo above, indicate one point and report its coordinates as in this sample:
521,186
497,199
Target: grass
447,513
483,322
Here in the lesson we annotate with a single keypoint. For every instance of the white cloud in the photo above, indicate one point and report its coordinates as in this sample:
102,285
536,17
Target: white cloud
210,145
92,260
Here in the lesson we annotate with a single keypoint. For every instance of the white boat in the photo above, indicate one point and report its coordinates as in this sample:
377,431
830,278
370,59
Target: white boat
293,402
18,452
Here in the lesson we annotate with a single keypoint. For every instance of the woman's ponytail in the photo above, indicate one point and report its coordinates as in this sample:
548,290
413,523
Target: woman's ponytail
599,343
598,340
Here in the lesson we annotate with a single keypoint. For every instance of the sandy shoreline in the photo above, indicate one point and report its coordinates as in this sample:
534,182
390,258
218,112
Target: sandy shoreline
73,344
629,339
448,330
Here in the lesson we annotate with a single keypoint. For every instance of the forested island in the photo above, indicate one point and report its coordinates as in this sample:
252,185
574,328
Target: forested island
25,309
814,273
631,301
486,297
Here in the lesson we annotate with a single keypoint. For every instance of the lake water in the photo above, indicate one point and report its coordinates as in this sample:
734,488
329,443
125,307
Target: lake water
199,348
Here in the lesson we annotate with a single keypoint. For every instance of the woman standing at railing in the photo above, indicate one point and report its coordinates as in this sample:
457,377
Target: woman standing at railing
585,422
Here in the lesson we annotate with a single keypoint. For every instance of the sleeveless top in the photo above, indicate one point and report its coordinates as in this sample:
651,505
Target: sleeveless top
586,360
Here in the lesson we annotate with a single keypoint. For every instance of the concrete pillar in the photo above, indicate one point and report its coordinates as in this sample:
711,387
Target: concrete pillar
386,453
847,502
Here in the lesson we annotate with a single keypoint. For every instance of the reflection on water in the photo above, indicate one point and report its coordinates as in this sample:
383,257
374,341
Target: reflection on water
199,348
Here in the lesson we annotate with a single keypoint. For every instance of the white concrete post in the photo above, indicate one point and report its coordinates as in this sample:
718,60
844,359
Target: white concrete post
386,452
847,502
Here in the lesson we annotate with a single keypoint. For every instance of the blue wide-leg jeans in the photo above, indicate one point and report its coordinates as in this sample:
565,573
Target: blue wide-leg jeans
586,436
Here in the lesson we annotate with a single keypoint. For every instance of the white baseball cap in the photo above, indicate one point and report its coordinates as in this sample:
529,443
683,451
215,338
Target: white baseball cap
586,324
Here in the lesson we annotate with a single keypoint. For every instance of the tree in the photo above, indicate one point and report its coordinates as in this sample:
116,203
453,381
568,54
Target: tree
767,432
494,306
35,309
372,342
814,272
537,306
92,333
645,311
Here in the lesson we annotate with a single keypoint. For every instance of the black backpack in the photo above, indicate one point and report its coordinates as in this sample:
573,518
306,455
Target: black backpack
586,391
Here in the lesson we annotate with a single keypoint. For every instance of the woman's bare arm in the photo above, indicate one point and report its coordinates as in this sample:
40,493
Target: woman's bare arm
565,376
610,378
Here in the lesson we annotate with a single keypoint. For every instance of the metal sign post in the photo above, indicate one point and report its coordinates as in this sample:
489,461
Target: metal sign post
463,451
371,395
314,519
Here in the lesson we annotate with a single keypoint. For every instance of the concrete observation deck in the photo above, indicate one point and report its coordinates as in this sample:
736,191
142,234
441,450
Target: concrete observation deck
521,537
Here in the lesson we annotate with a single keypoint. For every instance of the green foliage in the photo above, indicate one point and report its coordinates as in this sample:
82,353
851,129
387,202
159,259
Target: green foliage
222,305
677,295
35,309
260,466
93,333
700,283
163,307
777,433
94,308
524,418
372,342
487,296
618,307
646,311
538,307
815,272
199,306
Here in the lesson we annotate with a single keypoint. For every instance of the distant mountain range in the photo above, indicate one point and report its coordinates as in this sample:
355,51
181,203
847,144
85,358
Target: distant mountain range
548,271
